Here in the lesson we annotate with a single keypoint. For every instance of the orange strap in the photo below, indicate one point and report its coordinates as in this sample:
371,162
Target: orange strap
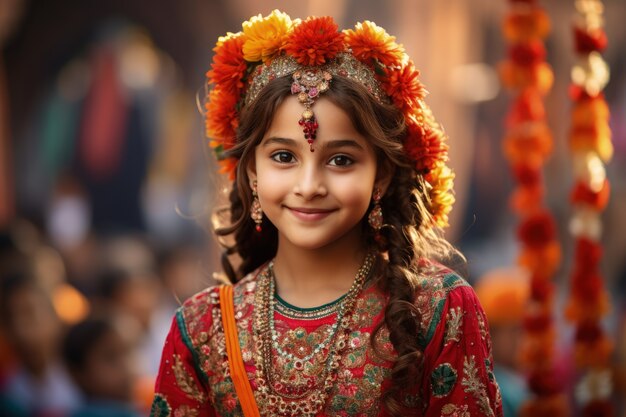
235,360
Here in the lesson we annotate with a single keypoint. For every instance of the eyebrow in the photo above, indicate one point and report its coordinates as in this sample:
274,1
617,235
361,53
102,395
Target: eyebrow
333,144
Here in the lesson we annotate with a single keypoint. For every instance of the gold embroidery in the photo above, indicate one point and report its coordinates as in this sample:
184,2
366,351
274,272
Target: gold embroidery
185,381
482,326
452,410
453,325
472,385
186,411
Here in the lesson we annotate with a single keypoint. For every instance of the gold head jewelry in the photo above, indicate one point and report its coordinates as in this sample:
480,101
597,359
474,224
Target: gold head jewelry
313,52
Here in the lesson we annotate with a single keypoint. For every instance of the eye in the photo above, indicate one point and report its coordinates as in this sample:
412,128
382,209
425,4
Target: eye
340,160
283,157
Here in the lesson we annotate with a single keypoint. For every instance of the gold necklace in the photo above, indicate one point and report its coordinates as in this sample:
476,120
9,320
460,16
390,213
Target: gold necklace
276,398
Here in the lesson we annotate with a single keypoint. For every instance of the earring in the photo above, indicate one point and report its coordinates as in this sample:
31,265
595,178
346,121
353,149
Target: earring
375,218
256,212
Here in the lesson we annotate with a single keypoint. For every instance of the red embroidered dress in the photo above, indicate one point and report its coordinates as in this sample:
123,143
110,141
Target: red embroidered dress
457,376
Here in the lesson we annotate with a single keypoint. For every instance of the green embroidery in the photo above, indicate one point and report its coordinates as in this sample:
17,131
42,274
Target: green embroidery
160,407
442,380
180,320
450,281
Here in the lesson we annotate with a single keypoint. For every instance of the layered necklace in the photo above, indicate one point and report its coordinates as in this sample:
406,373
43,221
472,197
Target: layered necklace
303,398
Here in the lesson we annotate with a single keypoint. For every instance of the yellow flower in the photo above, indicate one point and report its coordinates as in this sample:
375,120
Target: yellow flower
369,41
265,36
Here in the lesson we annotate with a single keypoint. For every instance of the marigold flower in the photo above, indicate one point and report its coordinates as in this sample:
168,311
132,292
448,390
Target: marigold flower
583,194
403,86
596,353
523,26
527,199
425,145
315,41
519,77
552,406
537,230
265,36
593,139
221,119
228,67
527,107
527,53
590,111
441,197
228,166
528,143
371,42
546,258
591,40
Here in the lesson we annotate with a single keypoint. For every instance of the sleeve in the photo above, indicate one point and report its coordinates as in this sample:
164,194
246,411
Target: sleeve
179,388
458,368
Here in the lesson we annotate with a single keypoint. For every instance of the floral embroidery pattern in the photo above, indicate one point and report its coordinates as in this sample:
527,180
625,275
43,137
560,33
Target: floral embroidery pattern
482,326
160,407
453,410
185,381
473,386
364,371
442,380
454,320
186,411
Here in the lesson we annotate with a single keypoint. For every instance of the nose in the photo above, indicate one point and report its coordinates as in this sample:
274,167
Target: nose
311,182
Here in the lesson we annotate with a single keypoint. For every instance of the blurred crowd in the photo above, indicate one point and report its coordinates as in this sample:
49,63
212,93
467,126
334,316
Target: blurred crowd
82,327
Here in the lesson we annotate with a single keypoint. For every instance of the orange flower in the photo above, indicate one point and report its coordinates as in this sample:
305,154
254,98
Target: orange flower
545,259
518,77
526,199
526,25
553,406
228,67
529,143
228,166
371,42
527,107
590,111
265,36
425,145
593,139
404,87
583,194
315,41
221,119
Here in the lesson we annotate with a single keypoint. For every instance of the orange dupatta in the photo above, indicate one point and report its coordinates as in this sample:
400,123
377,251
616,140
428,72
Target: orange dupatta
235,360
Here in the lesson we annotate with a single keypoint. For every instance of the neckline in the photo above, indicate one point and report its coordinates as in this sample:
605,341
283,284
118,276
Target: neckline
290,306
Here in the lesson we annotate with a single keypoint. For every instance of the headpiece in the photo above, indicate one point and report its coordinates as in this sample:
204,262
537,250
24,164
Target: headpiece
313,52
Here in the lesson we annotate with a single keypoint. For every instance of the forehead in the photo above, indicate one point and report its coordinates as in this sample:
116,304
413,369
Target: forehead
334,122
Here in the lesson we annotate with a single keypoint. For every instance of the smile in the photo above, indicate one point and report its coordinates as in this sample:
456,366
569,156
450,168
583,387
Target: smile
309,214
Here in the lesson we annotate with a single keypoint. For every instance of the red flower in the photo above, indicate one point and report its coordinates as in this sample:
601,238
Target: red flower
315,41
598,408
587,41
404,87
585,195
588,253
527,107
228,67
537,230
527,175
545,382
528,53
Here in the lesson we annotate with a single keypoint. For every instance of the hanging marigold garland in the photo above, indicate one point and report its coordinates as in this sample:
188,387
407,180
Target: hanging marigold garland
591,147
527,144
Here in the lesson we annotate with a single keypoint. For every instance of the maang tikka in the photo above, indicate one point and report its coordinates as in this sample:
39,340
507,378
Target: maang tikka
375,218
256,212
308,84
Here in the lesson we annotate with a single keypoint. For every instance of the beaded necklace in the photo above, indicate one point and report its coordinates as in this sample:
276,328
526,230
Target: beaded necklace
275,397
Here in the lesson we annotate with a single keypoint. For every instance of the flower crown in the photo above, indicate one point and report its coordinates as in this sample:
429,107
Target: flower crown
314,51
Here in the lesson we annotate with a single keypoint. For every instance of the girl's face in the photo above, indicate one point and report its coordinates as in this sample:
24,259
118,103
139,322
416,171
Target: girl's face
318,198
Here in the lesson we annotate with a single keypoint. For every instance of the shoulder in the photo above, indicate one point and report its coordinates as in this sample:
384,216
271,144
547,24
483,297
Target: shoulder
195,315
438,288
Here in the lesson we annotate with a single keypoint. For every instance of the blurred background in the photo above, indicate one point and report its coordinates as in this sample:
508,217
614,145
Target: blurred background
106,183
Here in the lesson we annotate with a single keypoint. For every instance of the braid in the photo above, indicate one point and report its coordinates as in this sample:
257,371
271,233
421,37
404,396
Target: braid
399,281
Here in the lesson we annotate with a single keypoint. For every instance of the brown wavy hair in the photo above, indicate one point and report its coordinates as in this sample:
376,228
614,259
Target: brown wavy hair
407,236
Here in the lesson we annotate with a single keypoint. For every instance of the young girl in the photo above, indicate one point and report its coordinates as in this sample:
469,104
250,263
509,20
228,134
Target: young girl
341,304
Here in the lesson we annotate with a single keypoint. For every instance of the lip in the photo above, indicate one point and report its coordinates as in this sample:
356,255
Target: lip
309,214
